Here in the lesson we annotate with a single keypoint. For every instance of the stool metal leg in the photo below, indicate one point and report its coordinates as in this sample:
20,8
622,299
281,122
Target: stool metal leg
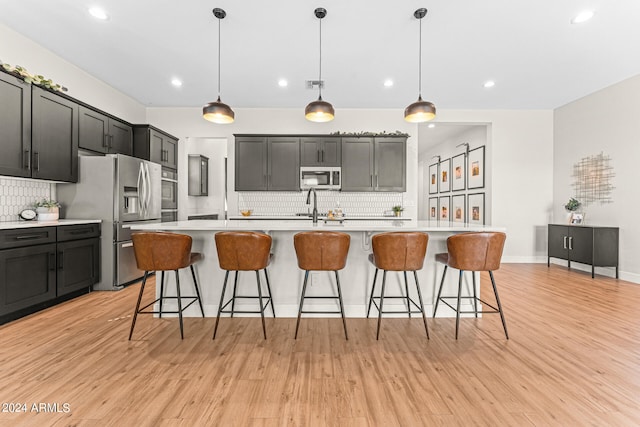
161,292
373,287
458,309
344,322
406,288
266,276
224,287
135,313
424,316
384,279
495,291
304,290
475,297
444,273
195,283
264,328
233,298
179,304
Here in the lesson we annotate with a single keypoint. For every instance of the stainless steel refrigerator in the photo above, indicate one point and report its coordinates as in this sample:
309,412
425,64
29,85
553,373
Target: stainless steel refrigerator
121,191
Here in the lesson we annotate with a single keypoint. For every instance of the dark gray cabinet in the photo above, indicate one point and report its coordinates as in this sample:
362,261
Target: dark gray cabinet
15,126
150,143
267,163
100,133
374,163
54,137
198,175
597,246
40,265
320,151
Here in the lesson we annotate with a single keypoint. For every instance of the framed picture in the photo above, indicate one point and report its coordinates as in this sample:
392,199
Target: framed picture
445,176
458,208
476,168
444,214
433,208
475,208
433,179
577,218
458,173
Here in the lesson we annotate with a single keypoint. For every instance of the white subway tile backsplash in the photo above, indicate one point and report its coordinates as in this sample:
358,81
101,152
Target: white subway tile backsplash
290,203
19,194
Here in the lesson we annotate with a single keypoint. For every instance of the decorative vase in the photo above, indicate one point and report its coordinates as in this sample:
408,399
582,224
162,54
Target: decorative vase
48,214
397,213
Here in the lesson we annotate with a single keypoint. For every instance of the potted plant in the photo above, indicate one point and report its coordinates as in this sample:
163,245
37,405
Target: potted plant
48,210
397,210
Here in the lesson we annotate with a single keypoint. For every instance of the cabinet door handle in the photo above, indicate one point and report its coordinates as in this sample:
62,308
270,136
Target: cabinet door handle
377,181
60,260
110,141
37,160
105,142
371,180
318,156
322,156
564,242
52,261
27,159
570,243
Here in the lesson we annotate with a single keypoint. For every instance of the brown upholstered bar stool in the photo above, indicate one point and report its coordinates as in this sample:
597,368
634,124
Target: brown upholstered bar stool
244,251
472,252
398,251
156,251
321,251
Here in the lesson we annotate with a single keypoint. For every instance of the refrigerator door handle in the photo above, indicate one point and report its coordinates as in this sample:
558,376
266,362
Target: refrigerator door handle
147,191
140,190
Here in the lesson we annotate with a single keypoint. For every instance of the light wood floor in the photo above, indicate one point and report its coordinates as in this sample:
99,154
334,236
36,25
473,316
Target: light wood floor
573,360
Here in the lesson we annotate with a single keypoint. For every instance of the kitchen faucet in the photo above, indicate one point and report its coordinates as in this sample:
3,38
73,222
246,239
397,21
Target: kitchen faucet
315,203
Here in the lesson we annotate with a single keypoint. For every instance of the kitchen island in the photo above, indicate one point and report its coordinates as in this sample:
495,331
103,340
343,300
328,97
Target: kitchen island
286,278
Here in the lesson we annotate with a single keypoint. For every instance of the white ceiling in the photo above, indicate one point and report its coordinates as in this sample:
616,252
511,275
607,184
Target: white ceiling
537,58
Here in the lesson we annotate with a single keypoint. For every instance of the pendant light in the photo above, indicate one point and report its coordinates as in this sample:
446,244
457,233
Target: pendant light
420,111
320,110
217,111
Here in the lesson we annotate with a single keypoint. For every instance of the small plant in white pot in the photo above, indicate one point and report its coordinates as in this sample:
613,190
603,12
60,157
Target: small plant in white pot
397,210
48,210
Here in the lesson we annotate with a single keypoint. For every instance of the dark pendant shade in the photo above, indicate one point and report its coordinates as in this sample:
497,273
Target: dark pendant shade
420,111
218,112
319,111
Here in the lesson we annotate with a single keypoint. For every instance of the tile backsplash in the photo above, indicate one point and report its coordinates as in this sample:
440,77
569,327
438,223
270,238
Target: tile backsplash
19,194
290,203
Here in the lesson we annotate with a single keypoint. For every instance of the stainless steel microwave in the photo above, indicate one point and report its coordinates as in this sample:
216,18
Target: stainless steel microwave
320,178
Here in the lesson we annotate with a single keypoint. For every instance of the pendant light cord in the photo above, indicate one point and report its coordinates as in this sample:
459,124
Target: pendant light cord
320,71
219,58
420,62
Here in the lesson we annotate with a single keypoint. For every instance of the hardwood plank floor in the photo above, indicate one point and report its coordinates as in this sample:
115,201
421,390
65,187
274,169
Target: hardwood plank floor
573,359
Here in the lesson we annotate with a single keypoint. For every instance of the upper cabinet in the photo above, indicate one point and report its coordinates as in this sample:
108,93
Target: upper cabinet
153,144
267,163
320,151
54,136
374,163
15,126
100,133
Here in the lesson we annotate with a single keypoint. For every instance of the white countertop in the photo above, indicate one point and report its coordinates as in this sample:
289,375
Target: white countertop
32,224
298,225
320,218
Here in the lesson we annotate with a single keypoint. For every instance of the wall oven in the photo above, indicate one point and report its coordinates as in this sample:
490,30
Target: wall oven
320,178
169,189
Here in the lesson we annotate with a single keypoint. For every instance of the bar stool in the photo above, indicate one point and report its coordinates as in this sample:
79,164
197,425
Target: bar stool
321,251
244,251
472,252
156,251
398,251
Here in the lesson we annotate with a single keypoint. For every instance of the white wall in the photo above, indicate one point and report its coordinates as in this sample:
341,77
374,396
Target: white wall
605,121
216,150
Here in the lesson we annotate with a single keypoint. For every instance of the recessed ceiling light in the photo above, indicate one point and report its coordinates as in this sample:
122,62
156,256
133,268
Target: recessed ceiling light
388,83
431,125
98,13
283,83
176,82
583,16
489,83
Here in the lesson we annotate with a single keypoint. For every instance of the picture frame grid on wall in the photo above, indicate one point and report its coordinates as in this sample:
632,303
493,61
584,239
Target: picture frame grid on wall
445,176
475,168
458,172
444,208
476,208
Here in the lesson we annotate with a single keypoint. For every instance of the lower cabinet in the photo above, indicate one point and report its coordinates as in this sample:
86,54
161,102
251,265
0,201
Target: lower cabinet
42,266
597,246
